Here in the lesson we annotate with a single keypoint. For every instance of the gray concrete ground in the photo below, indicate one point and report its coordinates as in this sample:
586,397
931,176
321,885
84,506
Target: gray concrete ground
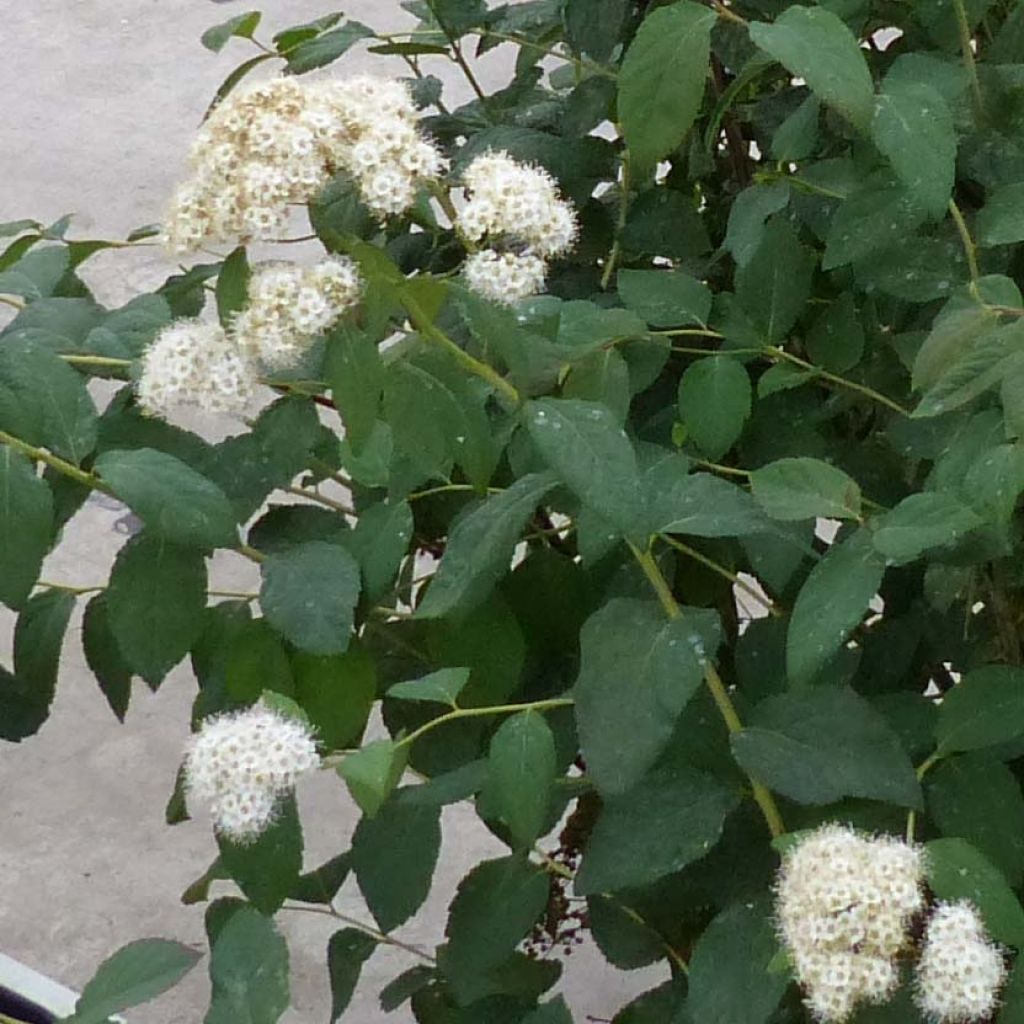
100,99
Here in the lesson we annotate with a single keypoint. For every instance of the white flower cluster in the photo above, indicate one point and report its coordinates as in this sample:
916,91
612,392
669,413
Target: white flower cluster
241,764
290,305
960,971
519,207
191,363
844,902
279,142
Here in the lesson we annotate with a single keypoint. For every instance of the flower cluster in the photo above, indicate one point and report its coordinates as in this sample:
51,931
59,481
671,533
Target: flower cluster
191,363
279,142
289,306
844,903
195,364
960,971
242,764
516,207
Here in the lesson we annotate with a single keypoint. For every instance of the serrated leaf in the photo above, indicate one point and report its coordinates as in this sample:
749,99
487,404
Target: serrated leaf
355,373
521,770
26,526
380,542
480,547
440,687
347,951
957,871
815,44
405,986
372,773
661,84
663,660
393,856
748,215
714,403
831,603
984,709
321,884
634,843
325,48
103,657
171,498
818,746
794,489
665,298
595,27
136,973
155,604
922,522
836,339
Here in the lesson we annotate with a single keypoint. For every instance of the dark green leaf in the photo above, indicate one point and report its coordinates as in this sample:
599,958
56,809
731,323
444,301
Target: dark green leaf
931,519
665,298
155,604
714,403
372,772
26,526
553,1012
233,285
336,692
440,687
661,84
309,594
356,375
625,942
793,489
393,857
347,951
380,542
831,603
103,657
836,339
325,48
635,843
985,708
818,746
957,871
405,986
242,25
594,27
1001,220
748,215
135,974
321,884
660,662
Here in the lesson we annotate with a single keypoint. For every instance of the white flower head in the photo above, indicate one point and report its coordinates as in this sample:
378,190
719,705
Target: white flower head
195,364
504,277
241,764
844,903
961,970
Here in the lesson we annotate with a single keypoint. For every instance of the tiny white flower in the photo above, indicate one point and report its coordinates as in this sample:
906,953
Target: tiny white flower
504,277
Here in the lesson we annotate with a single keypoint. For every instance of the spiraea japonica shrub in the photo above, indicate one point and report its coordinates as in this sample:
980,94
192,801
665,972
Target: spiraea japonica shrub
652,433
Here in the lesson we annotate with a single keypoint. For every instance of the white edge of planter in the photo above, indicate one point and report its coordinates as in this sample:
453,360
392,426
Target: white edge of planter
37,988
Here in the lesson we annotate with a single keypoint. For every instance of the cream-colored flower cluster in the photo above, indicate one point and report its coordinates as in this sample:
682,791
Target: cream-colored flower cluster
242,764
191,363
289,306
844,902
518,210
279,142
196,364
960,971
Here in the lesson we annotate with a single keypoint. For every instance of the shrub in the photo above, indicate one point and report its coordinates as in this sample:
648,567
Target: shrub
681,393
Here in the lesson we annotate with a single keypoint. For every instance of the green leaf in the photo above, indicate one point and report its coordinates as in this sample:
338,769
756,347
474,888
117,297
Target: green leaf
393,857
321,884
1001,220
256,661
380,542
730,979
836,339
584,326
372,772
233,286
603,377
325,48
249,971
172,499
44,401
637,672
135,974
913,127
661,83
268,868
495,906
831,603
405,986
480,546
26,526
774,284
748,215
635,843
957,871
354,370
155,604
665,298
290,37
242,25
103,657
337,693
977,798
309,594
714,403
552,1012
584,444
815,44
595,27
931,519
347,951
521,770
984,709
818,746
869,220
625,942
440,687
797,137
793,489
953,333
